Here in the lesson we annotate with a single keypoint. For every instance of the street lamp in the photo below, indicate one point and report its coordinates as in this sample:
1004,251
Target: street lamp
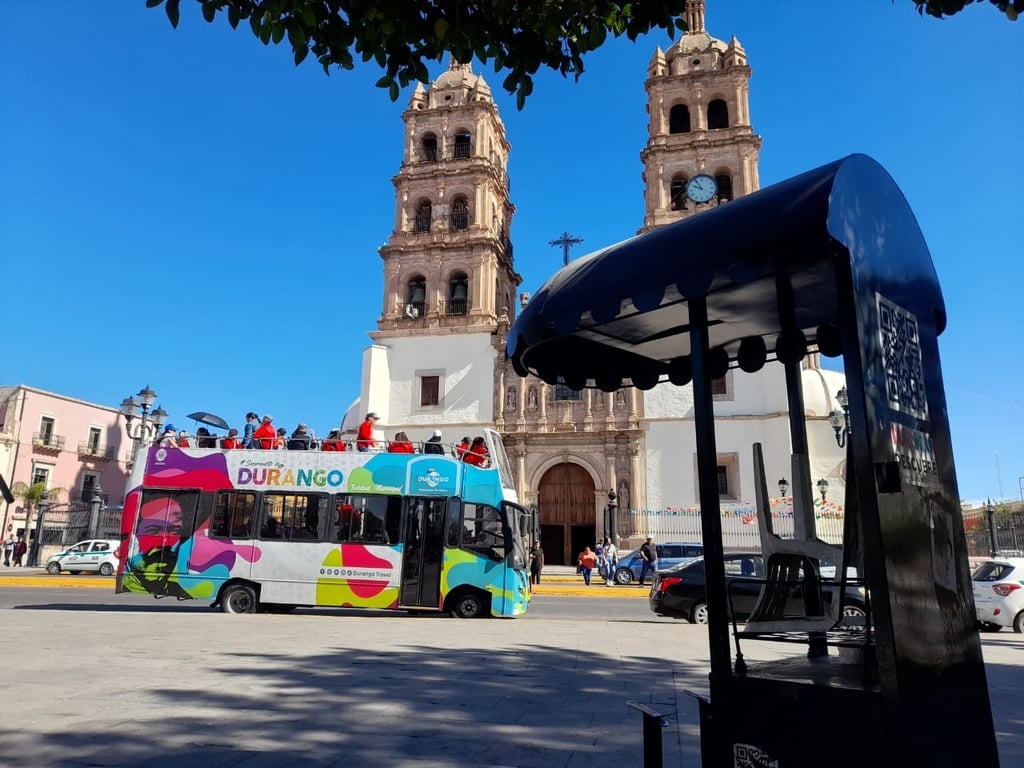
993,539
612,508
840,419
37,536
783,488
823,489
148,424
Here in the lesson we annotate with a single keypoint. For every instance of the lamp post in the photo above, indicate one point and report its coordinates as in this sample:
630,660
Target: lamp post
148,425
95,504
823,489
612,526
840,419
37,536
783,488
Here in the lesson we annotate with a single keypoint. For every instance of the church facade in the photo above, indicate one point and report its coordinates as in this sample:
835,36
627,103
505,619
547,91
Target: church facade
450,286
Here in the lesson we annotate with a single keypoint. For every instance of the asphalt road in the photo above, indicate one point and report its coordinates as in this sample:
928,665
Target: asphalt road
97,679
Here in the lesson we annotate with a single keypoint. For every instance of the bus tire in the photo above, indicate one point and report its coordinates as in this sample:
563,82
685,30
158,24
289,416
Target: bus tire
468,605
238,598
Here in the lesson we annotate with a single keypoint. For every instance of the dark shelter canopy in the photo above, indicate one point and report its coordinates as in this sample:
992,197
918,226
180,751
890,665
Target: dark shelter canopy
765,262
833,258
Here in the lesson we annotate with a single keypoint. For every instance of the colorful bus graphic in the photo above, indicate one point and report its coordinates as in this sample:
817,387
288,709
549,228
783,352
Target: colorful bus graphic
271,530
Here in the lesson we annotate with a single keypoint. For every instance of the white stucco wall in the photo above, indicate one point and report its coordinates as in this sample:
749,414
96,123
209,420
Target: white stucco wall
465,363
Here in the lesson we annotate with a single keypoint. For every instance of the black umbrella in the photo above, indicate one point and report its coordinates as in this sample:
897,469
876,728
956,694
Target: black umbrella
209,419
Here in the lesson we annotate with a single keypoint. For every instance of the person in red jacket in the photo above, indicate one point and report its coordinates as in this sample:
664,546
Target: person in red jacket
265,434
477,453
461,449
232,440
401,444
364,437
333,442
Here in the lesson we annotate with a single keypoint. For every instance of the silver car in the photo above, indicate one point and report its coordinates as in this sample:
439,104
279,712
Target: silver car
93,555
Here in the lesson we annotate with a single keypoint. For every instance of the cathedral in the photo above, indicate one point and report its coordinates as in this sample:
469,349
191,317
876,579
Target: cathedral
450,293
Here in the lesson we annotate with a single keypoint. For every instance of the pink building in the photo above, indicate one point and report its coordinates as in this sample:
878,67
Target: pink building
70,445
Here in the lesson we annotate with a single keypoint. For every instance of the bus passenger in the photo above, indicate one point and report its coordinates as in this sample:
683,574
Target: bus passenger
401,444
364,438
333,441
433,445
477,453
279,441
204,439
231,441
265,434
462,448
183,440
300,439
169,438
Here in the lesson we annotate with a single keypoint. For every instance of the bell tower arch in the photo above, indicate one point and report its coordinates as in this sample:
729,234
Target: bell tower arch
698,105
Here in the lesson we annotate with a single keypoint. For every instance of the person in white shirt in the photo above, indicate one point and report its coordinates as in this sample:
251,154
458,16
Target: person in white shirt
610,556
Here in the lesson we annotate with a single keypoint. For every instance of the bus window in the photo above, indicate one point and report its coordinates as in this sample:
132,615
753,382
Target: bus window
168,514
454,526
293,516
368,519
482,531
233,515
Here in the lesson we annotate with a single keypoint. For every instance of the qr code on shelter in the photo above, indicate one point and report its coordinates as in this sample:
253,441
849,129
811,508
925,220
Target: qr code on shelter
901,352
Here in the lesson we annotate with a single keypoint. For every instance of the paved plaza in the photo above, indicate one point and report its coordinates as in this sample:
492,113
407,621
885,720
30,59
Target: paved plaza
130,681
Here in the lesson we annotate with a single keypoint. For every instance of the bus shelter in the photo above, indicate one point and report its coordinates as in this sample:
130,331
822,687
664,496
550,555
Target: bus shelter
831,261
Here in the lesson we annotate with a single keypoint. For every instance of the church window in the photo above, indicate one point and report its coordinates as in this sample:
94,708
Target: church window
718,115
724,182
415,297
460,213
728,471
458,295
424,212
679,119
677,193
462,143
721,388
430,148
563,392
430,391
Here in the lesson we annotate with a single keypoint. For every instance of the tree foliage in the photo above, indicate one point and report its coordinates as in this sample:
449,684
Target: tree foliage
517,36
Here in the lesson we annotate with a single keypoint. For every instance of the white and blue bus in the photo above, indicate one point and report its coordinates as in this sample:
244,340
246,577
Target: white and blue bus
275,529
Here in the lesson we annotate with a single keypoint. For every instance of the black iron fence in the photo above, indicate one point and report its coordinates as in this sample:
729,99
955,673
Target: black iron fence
65,524
999,530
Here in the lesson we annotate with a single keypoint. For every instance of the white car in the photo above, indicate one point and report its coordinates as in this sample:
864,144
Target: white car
999,593
95,555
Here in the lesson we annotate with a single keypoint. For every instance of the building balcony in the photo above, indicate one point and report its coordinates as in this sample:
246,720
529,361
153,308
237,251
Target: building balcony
455,307
43,441
97,452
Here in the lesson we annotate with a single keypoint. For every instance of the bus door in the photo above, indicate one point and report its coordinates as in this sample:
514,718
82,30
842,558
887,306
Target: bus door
422,553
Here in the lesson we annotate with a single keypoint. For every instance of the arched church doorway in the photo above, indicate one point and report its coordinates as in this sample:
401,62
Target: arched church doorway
565,511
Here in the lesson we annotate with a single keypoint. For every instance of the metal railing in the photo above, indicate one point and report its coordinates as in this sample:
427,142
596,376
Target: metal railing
48,440
91,451
459,220
455,307
421,223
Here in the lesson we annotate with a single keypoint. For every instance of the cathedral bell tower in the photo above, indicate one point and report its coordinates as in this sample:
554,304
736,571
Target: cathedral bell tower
448,262
698,106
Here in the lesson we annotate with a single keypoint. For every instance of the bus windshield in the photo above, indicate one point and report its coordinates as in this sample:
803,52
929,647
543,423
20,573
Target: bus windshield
245,528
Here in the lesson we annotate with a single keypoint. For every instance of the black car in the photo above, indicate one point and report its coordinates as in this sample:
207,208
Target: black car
680,591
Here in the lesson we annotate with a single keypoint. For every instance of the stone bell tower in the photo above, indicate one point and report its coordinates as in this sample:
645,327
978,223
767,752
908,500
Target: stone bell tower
698,106
448,262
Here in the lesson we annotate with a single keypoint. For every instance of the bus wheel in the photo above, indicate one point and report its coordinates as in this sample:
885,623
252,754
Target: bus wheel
469,605
238,598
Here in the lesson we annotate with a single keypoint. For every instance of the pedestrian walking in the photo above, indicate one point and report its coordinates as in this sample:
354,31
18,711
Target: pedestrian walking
648,559
587,561
611,559
536,562
8,549
20,548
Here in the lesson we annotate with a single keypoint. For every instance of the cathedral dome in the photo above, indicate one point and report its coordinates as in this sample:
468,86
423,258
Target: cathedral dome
461,77
820,387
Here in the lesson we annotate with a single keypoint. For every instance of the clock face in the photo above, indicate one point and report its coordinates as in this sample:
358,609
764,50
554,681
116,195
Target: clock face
701,188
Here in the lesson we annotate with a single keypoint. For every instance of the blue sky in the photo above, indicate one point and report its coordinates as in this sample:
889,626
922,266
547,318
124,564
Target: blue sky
186,209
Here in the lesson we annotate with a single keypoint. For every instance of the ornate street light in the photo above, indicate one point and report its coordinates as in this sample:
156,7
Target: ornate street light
840,419
783,487
149,424
823,489
612,523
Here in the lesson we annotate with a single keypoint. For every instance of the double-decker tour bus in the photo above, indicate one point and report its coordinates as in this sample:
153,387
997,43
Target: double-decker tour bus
272,530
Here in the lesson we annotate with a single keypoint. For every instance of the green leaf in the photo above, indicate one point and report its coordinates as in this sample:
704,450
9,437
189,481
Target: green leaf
384,82
441,28
172,12
393,91
233,17
277,35
300,55
209,12
153,3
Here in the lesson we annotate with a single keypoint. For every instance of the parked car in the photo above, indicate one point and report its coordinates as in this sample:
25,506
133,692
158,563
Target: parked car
681,590
673,553
999,593
95,555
